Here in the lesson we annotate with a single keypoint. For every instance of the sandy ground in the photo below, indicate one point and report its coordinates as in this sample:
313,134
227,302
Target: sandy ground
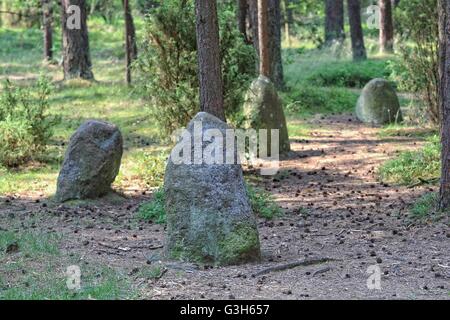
335,209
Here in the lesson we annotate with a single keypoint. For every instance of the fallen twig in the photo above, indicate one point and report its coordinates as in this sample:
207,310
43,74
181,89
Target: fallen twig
291,265
321,270
422,182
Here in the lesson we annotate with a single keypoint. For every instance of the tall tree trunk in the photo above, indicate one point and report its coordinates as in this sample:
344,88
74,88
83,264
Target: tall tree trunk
209,60
386,27
277,75
444,99
242,10
334,21
287,20
75,41
130,39
356,31
47,20
263,36
274,38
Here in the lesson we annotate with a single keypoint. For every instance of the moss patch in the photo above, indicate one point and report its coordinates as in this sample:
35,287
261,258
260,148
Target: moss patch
240,246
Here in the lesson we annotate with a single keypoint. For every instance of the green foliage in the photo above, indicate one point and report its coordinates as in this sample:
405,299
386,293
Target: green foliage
417,69
154,210
307,100
152,167
348,74
167,65
414,166
263,203
25,127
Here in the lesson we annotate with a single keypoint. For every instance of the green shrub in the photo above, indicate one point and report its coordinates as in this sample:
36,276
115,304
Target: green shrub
25,127
167,65
16,143
417,69
414,166
348,74
154,210
151,168
307,100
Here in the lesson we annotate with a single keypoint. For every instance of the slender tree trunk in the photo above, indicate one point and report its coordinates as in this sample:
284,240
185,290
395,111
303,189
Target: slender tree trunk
242,11
273,32
356,31
444,99
386,27
75,40
263,35
209,60
130,39
334,21
287,19
47,20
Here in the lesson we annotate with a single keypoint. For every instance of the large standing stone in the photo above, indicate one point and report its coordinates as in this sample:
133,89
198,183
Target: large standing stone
91,163
378,103
263,110
209,217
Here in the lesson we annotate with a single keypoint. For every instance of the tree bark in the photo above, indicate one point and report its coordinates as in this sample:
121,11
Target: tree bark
130,39
209,60
356,31
263,35
386,27
288,18
75,41
47,20
276,74
334,21
444,100
242,10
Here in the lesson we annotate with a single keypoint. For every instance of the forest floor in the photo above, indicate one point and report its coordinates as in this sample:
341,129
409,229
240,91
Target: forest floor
334,208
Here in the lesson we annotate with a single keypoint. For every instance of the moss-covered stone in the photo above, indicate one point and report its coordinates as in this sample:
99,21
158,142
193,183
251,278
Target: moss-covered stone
209,216
378,103
263,110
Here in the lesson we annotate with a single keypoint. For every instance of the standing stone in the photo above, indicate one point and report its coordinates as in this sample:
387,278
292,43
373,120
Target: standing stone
263,110
378,103
91,163
209,216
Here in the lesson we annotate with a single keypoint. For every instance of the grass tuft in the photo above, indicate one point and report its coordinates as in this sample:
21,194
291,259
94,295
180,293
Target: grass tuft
414,166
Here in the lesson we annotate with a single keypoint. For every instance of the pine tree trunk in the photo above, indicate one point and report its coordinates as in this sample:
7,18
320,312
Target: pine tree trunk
444,93
130,39
356,31
209,60
386,27
277,75
76,55
274,38
263,36
47,20
242,8
334,21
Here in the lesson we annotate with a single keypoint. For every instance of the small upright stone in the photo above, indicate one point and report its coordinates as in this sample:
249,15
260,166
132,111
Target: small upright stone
378,103
209,217
91,163
263,110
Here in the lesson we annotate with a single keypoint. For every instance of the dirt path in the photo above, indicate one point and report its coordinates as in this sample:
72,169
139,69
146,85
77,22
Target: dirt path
334,206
